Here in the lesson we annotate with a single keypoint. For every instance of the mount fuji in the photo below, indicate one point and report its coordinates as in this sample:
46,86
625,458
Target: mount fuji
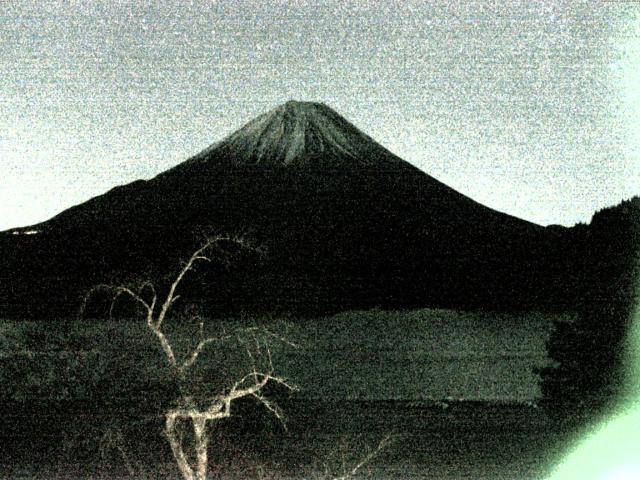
346,224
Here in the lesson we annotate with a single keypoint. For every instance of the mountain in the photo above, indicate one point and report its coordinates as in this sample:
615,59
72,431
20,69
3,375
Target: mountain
299,134
346,224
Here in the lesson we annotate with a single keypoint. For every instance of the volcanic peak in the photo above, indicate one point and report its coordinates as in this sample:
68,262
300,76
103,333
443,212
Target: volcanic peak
299,133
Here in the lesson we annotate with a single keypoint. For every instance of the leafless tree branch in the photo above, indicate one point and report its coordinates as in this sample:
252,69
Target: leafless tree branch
351,473
219,406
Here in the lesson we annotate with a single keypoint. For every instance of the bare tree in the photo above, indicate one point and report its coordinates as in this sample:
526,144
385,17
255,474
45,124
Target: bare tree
189,407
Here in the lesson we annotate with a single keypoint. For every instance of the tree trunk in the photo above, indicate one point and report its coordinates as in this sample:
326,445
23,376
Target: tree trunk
176,448
201,440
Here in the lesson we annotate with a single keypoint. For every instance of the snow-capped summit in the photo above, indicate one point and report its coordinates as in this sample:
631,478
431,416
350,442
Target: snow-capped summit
296,133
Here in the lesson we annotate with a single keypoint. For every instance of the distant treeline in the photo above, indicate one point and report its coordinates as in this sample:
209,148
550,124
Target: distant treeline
590,371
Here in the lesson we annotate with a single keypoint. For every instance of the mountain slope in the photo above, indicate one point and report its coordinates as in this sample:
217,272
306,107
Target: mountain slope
297,133
346,223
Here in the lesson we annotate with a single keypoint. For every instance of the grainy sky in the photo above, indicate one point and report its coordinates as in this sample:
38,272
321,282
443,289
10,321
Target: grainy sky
529,107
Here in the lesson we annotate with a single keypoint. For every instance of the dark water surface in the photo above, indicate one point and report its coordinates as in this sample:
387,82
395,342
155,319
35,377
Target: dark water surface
461,441
74,396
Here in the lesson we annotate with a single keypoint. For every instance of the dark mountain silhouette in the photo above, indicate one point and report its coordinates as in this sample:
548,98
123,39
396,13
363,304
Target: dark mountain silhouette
346,223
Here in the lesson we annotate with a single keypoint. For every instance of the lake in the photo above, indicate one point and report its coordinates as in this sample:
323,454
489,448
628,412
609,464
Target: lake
455,391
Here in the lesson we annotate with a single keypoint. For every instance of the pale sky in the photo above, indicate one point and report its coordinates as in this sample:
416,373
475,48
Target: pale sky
532,108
